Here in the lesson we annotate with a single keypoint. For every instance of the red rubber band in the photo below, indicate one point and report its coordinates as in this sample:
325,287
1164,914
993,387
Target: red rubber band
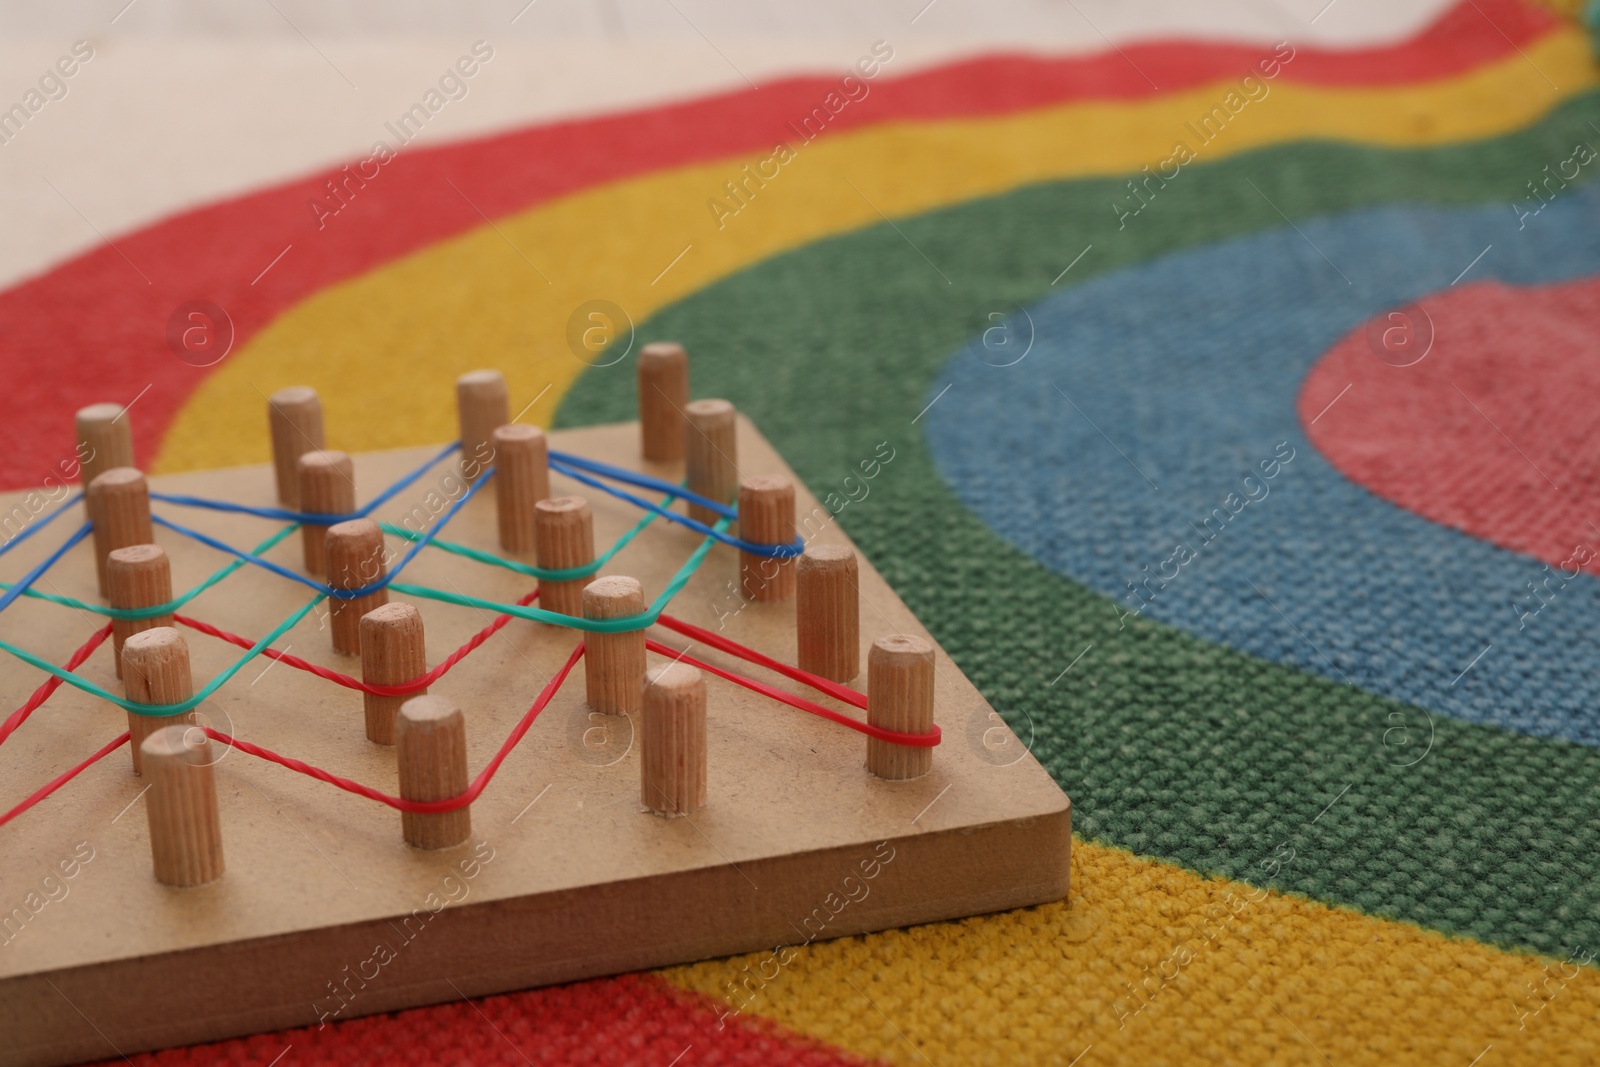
429,807
62,779
733,648
400,689
927,740
45,691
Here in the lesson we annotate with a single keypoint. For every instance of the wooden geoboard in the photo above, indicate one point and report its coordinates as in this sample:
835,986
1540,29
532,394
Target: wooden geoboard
578,881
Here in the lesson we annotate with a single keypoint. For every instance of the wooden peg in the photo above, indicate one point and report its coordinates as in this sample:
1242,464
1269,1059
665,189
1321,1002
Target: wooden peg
155,670
766,517
136,577
672,740
294,416
521,480
482,403
828,613
392,652
431,749
355,561
613,664
663,394
185,826
900,697
564,532
105,440
120,509
327,487
711,455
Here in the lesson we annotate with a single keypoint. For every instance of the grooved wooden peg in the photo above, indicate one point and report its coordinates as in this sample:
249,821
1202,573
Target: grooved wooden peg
828,612
521,480
672,740
155,670
431,749
185,826
663,394
327,487
392,652
766,517
900,697
105,440
119,506
564,532
355,560
136,577
613,664
294,415
711,455
482,403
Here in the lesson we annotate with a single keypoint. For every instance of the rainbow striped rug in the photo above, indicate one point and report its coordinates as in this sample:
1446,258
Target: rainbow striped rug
1243,458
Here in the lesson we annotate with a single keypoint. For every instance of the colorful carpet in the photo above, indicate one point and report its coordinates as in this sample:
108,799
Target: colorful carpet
1242,458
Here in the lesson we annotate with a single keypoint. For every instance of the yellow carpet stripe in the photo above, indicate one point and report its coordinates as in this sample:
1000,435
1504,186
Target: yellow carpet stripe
1150,964
384,348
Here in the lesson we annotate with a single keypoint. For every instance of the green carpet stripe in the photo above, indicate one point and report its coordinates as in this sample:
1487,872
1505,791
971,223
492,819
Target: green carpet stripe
1169,746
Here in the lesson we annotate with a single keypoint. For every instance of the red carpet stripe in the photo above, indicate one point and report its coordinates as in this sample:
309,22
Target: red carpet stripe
635,1019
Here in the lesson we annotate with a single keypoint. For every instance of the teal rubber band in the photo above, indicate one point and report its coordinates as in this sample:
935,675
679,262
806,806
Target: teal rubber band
160,609
165,710
544,574
626,624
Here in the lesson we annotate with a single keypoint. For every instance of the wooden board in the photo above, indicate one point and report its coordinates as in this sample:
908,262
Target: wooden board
578,881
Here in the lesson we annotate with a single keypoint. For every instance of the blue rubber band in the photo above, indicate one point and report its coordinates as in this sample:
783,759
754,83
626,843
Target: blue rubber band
311,583
793,548
307,518
10,595
643,481
41,524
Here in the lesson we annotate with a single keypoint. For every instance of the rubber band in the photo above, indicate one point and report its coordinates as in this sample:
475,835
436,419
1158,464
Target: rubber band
170,606
22,585
839,692
62,779
399,689
544,574
164,710
307,518
793,548
429,807
13,542
624,624
643,481
323,588
51,684
927,740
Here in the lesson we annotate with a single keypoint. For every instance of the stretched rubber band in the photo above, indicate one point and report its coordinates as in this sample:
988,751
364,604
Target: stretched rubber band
544,574
26,581
62,779
170,606
793,548
164,710
624,624
308,518
13,542
429,807
643,481
51,684
927,740
311,583
839,692
399,689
